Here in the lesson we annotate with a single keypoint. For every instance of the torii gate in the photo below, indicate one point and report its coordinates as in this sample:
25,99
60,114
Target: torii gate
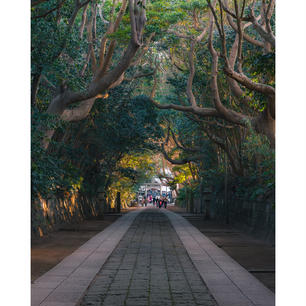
153,185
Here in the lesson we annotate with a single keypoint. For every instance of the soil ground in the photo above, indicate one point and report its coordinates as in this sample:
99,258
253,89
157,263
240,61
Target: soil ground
257,256
48,251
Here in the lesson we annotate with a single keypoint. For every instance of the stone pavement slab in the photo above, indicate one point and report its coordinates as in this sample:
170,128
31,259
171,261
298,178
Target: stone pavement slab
66,283
228,282
149,267
153,262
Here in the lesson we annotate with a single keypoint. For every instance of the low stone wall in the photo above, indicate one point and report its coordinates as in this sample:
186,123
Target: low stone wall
254,217
49,214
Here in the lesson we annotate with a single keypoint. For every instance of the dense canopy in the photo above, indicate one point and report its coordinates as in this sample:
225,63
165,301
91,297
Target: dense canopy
121,90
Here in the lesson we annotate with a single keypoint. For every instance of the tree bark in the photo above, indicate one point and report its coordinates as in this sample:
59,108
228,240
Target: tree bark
265,124
100,83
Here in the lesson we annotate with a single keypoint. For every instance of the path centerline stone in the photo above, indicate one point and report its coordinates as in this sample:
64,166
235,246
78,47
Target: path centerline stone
150,266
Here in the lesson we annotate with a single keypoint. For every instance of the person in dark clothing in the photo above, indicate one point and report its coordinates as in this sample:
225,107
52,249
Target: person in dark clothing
165,202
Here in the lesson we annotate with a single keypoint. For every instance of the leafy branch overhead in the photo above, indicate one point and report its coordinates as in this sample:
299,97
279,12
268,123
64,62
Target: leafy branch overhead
121,90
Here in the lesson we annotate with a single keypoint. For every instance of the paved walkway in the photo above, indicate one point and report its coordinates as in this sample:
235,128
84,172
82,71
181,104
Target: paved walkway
150,266
65,284
153,262
228,282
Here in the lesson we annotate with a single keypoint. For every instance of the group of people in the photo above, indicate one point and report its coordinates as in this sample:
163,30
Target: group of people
158,202
144,202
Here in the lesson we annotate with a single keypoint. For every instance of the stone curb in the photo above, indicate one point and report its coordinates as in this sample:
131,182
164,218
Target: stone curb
66,283
229,283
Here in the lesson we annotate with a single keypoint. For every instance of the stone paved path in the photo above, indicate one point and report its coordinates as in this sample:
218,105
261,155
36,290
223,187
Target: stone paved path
150,266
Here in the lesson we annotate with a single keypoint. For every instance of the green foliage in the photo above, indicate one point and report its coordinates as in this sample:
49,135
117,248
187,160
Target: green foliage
111,149
49,174
124,126
259,159
162,14
262,64
192,5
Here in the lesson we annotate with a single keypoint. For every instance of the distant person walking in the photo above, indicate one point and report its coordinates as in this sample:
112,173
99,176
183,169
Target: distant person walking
156,201
160,203
165,201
